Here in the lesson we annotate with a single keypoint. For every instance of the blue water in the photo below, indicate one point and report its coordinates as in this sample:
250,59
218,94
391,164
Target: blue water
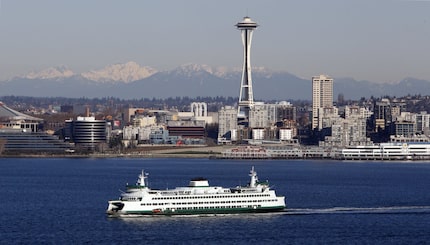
63,201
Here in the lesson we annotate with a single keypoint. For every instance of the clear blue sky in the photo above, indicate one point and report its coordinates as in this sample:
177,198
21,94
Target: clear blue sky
376,40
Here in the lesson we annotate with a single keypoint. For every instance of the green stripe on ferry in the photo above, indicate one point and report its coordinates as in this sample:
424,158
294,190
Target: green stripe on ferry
210,211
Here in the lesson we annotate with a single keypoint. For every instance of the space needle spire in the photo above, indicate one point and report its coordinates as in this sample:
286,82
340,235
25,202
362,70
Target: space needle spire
246,97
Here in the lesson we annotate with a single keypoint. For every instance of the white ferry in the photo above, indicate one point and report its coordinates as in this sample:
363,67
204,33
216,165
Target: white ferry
197,198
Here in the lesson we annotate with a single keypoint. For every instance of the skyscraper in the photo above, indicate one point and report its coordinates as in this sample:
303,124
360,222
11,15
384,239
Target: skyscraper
227,124
322,96
246,97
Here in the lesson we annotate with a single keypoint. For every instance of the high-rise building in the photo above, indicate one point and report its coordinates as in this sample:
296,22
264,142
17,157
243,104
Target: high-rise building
382,114
259,116
322,96
246,97
423,123
227,124
285,111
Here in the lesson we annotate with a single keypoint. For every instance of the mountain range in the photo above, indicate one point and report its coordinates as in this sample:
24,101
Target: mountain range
132,81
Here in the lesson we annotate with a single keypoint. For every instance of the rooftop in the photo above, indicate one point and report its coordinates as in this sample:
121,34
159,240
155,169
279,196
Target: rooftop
9,114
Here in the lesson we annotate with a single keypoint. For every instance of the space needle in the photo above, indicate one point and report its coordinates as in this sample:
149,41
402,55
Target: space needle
246,97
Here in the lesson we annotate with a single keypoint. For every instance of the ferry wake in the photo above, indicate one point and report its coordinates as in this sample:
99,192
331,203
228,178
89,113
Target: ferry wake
196,198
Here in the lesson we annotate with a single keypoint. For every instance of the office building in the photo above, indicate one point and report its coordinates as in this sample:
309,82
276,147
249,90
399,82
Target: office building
87,133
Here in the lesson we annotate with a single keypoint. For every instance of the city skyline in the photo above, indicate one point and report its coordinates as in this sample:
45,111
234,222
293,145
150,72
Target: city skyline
379,41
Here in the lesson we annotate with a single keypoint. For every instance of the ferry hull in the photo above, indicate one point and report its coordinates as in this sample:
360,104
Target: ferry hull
170,212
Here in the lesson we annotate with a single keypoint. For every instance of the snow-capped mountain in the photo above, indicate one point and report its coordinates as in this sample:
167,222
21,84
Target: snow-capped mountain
58,72
189,70
130,80
128,72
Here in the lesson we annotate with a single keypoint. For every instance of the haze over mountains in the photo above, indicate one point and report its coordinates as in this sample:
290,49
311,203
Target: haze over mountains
130,80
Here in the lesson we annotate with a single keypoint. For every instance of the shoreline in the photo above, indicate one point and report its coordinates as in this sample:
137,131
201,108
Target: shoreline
157,155
218,153
198,156
176,152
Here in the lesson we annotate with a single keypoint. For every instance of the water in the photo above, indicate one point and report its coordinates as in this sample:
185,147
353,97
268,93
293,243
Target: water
63,201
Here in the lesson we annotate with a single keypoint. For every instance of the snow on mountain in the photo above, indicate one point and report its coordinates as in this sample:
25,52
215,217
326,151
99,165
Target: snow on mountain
59,72
131,71
128,72
223,71
130,80
190,69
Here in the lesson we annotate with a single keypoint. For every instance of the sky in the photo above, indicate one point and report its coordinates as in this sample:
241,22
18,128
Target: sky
375,40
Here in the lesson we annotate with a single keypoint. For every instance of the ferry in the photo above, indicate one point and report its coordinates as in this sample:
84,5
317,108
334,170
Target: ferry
196,198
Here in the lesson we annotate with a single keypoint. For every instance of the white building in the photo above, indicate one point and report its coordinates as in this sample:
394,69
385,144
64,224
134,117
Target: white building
136,133
363,112
258,134
227,123
199,109
259,116
349,131
322,96
144,121
286,134
200,112
327,116
423,123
